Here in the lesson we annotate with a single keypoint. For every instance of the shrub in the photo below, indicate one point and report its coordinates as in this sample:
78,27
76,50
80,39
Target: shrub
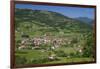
74,40
25,36
39,60
42,60
78,54
72,54
61,53
18,43
20,60
89,47
88,52
21,52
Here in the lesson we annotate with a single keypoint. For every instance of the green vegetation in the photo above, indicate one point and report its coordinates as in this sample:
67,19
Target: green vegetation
45,37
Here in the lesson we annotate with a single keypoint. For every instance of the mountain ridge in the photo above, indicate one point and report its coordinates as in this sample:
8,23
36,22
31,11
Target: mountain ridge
86,20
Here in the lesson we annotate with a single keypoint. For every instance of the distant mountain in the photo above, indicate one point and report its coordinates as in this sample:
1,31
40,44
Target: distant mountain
85,19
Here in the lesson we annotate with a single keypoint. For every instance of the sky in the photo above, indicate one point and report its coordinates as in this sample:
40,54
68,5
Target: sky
72,12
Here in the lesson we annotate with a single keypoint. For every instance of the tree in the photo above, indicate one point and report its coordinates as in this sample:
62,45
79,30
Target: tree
88,49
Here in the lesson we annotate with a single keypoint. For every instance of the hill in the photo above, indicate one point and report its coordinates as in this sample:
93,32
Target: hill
47,21
85,20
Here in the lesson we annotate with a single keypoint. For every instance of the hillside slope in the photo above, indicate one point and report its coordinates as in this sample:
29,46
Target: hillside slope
47,21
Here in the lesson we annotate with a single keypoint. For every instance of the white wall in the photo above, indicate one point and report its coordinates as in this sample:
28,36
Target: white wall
5,34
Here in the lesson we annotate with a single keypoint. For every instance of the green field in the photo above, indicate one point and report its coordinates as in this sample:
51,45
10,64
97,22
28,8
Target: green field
37,55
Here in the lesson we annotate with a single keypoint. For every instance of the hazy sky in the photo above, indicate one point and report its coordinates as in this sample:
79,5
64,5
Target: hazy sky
72,12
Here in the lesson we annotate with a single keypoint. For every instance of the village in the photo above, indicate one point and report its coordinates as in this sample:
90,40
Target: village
46,43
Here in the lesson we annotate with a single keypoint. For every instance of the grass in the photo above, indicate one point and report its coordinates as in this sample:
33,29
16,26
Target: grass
67,50
31,53
37,54
70,60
